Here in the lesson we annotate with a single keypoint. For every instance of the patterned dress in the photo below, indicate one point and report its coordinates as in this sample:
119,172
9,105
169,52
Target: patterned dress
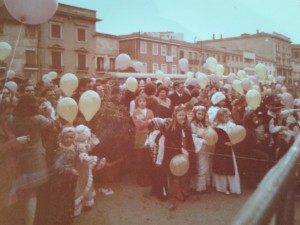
62,184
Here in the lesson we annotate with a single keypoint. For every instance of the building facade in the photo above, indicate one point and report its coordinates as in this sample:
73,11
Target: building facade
65,44
273,47
296,64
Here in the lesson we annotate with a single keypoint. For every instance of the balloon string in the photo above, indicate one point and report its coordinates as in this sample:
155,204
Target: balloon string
223,155
14,52
12,58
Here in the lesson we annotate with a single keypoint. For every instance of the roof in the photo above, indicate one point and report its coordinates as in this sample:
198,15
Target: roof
250,36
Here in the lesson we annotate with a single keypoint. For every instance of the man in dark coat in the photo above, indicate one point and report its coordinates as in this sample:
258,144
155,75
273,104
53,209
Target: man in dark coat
179,96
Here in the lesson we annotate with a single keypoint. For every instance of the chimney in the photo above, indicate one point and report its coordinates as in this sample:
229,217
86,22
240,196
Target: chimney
213,37
221,36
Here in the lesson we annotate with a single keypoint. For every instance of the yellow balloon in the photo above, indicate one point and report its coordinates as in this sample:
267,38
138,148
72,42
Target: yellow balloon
159,75
5,50
253,99
67,109
210,136
68,84
237,134
179,165
202,80
89,104
131,84
237,86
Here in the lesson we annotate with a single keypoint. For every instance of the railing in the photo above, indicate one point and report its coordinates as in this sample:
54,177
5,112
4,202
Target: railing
275,194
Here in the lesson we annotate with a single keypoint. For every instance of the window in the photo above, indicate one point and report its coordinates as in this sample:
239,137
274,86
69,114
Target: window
30,58
143,47
30,32
181,54
190,55
56,31
81,34
56,60
154,49
81,61
112,64
154,67
174,69
174,51
195,55
144,70
163,50
164,68
100,63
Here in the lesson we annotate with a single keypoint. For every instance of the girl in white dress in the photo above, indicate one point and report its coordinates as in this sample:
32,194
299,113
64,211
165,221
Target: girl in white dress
201,180
225,171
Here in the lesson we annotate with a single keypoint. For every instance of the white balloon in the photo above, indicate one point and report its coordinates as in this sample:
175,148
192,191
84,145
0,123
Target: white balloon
183,64
202,80
211,64
131,84
138,66
52,75
68,84
5,50
89,104
220,69
253,99
189,75
261,71
10,74
123,61
237,86
12,86
31,11
159,75
67,109
241,74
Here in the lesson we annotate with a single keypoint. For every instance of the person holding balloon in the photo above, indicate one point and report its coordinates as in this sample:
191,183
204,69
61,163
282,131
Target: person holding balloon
225,171
179,141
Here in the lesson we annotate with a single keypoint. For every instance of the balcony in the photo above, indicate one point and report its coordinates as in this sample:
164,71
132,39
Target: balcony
194,62
30,66
58,69
82,69
100,70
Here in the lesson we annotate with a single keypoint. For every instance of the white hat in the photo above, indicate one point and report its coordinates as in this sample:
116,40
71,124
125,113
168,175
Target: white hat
217,97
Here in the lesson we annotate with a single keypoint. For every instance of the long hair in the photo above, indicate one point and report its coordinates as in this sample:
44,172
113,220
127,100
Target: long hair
204,121
26,106
221,112
173,125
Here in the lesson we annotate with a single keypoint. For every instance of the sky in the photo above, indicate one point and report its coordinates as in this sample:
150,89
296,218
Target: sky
197,19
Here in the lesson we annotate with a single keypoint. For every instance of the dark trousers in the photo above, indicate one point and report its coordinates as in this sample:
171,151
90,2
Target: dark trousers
159,181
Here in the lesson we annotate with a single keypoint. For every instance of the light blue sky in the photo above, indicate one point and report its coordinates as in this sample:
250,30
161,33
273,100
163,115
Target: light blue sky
197,19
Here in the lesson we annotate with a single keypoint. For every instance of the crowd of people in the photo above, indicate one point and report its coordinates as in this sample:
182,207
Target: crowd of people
47,166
